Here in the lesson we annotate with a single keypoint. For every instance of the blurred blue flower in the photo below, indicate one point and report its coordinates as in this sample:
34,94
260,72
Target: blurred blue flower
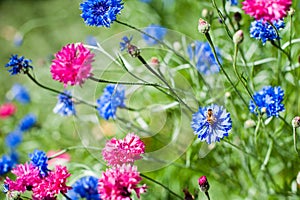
14,139
18,39
262,30
20,93
268,100
126,42
85,187
233,2
202,55
91,40
155,31
39,159
113,97
211,123
65,105
27,122
145,1
18,64
100,12
7,163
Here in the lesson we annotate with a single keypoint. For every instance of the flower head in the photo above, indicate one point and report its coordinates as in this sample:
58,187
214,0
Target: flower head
233,2
7,110
113,97
27,122
26,176
264,31
268,10
203,184
100,12
201,53
7,163
211,123
72,64
155,31
39,159
65,105
127,150
14,139
268,100
119,182
20,93
86,187
52,184
296,122
17,65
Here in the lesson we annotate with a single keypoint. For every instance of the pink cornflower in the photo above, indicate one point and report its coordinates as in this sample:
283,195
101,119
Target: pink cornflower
72,64
7,110
268,10
127,150
27,176
119,182
52,184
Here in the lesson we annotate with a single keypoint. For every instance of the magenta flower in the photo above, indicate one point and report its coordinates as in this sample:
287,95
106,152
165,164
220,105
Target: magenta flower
27,176
52,184
268,10
119,183
72,64
7,110
127,150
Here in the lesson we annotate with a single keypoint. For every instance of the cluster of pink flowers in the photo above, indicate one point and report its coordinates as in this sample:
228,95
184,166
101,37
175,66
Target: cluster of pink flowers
268,10
119,182
127,150
7,110
28,178
72,64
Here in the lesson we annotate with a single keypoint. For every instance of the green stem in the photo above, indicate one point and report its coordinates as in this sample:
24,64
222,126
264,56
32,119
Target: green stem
221,66
123,83
207,195
162,185
295,140
240,149
164,81
71,148
267,157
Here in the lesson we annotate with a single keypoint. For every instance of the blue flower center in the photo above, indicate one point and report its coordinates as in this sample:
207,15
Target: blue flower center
101,8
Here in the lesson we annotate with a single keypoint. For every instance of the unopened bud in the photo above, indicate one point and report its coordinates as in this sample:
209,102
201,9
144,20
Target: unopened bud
203,184
296,122
154,62
203,26
204,13
249,123
291,12
238,37
237,17
134,51
177,46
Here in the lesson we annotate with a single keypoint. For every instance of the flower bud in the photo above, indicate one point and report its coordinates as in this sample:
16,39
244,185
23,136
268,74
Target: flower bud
291,12
238,37
296,122
203,184
133,50
237,17
203,26
204,13
154,62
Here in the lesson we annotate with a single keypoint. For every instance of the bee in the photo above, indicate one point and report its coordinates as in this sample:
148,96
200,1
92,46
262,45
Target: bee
210,116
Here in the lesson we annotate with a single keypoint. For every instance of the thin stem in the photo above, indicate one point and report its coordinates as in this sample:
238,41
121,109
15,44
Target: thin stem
164,81
240,149
207,195
290,38
123,83
162,185
219,63
295,140
71,148
66,196
267,157
57,91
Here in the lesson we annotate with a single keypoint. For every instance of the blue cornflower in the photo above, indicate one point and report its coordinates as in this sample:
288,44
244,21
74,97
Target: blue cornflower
268,100
6,164
202,55
39,159
85,187
126,43
262,30
211,123
65,105
100,12
145,1
18,64
113,97
14,139
20,93
233,2
91,40
155,31
27,122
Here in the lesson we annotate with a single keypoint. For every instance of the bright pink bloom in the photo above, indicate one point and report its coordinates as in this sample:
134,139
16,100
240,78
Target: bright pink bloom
7,110
119,182
72,64
127,150
27,176
268,10
52,184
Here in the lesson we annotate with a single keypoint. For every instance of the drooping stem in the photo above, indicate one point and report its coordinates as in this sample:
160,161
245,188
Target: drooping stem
162,185
143,61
